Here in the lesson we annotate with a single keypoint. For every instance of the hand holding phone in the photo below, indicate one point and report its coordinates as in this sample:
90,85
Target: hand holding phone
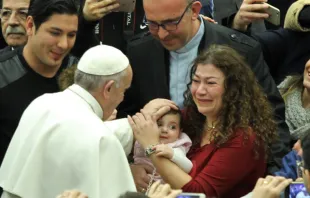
274,15
270,187
250,11
126,5
96,9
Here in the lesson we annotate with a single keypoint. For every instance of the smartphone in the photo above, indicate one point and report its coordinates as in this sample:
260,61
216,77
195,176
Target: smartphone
191,195
126,6
274,15
296,190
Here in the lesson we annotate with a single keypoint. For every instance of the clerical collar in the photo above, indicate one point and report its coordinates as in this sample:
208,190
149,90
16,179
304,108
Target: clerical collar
87,97
195,41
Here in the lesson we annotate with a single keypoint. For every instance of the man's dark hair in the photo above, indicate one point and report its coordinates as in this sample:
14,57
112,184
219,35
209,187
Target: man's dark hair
305,145
42,10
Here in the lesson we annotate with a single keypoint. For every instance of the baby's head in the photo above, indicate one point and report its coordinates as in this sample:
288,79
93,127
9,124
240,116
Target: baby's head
170,126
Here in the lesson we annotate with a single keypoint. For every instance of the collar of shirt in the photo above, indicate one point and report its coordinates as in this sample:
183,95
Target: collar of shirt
87,97
195,41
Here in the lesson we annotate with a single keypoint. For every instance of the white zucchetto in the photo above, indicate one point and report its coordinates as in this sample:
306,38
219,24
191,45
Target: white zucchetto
103,60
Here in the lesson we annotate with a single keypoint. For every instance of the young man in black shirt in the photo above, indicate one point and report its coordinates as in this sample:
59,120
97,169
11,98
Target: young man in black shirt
31,71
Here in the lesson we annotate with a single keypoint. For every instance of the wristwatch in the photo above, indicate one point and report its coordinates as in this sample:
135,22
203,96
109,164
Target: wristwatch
150,150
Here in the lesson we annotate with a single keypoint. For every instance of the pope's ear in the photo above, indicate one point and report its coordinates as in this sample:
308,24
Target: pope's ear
107,88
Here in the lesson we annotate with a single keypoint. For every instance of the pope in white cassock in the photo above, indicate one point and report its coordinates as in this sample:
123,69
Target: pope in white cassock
61,141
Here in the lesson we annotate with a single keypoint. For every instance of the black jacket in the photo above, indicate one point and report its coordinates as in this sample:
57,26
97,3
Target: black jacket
150,63
286,51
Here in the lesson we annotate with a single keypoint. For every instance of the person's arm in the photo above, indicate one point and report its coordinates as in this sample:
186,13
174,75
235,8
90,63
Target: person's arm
91,12
176,155
111,168
250,10
122,130
170,172
179,157
274,47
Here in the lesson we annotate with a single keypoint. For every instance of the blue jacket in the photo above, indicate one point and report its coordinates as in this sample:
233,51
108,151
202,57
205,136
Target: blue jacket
289,165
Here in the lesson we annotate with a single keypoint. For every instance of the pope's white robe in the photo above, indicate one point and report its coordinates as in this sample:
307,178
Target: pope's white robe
61,143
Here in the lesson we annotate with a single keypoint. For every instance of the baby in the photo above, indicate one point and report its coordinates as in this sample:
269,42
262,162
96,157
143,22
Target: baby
174,144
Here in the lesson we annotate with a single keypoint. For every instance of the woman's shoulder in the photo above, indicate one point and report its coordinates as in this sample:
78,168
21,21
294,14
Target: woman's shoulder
285,84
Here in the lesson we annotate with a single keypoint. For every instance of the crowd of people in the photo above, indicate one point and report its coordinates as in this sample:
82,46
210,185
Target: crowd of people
178,95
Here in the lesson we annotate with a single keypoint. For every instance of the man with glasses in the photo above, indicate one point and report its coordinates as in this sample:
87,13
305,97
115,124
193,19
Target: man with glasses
13,20
162,59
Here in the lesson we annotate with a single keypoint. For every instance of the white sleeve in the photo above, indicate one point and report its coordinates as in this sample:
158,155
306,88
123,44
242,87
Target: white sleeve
115,177
123,132
180,159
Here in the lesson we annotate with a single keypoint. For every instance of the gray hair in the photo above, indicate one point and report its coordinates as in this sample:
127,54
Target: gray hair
92,82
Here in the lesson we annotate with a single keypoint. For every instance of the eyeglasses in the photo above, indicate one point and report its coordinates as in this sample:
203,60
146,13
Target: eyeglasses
168,26
21,14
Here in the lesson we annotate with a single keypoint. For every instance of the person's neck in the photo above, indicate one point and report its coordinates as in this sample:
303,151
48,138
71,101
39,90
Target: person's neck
209,128
211,122
35,64
306,98
101,102
195,29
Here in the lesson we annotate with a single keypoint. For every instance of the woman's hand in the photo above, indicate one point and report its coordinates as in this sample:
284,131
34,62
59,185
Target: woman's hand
270,187
94,10
72,194
158,190
158,107
145,129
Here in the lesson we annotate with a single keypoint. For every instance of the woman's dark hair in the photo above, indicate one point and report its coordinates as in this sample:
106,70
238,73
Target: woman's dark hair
42,10
244,104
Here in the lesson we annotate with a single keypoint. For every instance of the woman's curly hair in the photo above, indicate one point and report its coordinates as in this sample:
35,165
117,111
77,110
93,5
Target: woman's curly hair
244,104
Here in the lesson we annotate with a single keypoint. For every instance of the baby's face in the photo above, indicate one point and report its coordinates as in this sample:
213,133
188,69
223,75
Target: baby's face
169,126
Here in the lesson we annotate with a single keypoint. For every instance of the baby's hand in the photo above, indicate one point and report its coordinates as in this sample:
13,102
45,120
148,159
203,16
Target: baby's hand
164,151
